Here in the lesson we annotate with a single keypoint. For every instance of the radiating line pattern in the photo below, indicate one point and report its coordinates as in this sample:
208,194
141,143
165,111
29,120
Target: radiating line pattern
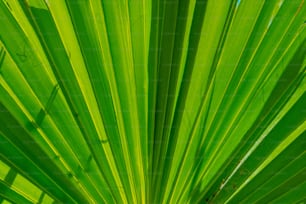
152,101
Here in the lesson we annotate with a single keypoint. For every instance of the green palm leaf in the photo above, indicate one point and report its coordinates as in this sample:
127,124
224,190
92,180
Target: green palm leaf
181,101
